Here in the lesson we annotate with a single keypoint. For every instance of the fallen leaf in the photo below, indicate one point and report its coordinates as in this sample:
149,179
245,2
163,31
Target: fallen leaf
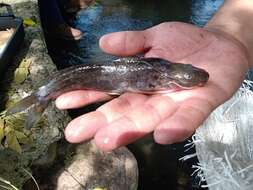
22,138
1,130
99,188
12,142
29,22
25,63
20,75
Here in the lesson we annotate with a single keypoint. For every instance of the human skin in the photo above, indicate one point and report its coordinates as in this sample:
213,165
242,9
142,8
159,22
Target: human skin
221,48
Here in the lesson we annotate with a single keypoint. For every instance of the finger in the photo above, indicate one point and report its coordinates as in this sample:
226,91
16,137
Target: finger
121,105
183,122
79,98
125,43
84,127
138,122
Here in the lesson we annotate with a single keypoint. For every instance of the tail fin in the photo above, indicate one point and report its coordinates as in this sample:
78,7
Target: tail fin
35,112
22,105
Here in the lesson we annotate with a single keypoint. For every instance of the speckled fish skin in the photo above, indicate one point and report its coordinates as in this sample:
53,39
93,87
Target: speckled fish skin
143,75
132,74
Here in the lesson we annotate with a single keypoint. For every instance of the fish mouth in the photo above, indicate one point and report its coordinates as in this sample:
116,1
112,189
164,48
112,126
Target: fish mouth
203,73
202,76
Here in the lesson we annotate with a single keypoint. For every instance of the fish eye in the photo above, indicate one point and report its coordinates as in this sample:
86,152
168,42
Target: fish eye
187,76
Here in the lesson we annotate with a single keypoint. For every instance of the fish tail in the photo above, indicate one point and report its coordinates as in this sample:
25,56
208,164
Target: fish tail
34,114
22,104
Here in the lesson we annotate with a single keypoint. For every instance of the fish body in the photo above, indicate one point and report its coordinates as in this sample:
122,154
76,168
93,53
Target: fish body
144,75
131,74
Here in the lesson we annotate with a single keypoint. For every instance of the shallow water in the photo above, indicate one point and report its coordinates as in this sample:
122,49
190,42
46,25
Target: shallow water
159,165
111,16
203,10
117,15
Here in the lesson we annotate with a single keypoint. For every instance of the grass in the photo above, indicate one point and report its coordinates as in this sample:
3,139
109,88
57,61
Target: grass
7,185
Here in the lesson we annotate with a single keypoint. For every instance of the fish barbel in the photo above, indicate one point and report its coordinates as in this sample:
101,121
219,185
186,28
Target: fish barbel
131,74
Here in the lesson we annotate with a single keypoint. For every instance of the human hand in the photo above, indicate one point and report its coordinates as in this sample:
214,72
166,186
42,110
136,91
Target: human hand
173,116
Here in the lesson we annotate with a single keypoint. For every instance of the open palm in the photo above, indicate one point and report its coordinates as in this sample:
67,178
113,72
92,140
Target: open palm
173,116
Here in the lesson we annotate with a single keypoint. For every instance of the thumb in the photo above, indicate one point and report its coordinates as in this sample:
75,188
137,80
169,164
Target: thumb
124,43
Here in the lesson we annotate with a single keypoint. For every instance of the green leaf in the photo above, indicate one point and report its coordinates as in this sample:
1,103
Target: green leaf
99,188
14,122
25,63
22,138
29,22
1,129
12,142
20,75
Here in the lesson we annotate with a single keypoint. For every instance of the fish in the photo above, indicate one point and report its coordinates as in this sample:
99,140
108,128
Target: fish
126,74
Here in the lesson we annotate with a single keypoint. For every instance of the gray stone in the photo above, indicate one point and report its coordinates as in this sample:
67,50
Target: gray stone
33,50
91,168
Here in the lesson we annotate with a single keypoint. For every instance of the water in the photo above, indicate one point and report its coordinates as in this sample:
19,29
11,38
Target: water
99,20
203,10
111,16
118,15
159,165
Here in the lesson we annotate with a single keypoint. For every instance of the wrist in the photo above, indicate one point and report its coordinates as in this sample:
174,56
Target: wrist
232,21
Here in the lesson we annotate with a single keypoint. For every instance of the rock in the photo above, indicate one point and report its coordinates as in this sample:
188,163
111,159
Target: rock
34,51
91,168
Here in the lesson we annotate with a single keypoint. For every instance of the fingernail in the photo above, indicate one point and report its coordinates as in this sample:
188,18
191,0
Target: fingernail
72,133
61,103
104,40
110,41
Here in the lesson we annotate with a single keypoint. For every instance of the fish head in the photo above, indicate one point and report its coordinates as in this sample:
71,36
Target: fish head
185,75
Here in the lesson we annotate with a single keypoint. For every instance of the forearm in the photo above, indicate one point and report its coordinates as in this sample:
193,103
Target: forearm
235,19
